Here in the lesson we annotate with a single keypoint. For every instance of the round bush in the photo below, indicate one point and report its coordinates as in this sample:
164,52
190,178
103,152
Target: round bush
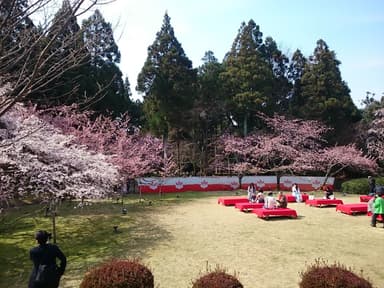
322,275
359,186
119,273
217,279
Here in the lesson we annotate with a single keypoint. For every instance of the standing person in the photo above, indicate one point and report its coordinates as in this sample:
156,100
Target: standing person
45,272
270,201
296,192
372,185
378,206
282,200
251,193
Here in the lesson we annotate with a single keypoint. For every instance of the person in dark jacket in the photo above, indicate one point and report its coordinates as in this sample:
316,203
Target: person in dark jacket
44,258
372,186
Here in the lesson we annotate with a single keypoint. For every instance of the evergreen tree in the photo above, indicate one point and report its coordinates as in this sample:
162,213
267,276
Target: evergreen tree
248,78
210,100
104,55
371,105
295,72
167,81
135,108
209,110
15,24
325,95
65,37
278,62
39,61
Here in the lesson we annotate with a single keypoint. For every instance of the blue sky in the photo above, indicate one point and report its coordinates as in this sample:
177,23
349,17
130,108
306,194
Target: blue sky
354,29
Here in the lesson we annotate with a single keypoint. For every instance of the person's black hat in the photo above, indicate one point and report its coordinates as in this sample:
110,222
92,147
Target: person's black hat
42,236
379,190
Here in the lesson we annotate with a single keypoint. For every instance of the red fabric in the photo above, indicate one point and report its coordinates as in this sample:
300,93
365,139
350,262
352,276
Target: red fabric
230,201
291,198
352,209
365,198
266,213
323,202
246,206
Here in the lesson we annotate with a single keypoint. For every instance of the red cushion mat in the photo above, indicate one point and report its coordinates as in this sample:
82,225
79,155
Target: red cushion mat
230,201
246,206
352,209
365,198
266,213
323,202
291,198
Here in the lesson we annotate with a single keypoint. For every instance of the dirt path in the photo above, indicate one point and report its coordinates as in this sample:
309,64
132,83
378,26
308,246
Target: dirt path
267,254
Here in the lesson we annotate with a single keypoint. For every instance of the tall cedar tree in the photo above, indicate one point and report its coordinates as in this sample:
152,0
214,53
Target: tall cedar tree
135,108
13,25
37,61
295,72
102,69
65,89
167,81
326,97
209,109
248,78
278,62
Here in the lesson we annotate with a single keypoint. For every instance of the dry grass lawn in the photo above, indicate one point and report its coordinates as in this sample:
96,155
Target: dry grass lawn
267,254
179,241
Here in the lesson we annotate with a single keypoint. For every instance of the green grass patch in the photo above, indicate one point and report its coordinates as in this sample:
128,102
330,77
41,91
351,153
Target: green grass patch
86,235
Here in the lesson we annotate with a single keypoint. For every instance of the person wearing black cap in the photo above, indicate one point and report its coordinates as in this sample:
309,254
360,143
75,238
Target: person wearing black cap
372,186
45,272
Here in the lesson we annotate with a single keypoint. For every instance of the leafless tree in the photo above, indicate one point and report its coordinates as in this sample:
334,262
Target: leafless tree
31,57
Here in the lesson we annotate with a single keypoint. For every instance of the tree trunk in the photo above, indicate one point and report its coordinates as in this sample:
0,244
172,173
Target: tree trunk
178,157
53,215
165,142
245,124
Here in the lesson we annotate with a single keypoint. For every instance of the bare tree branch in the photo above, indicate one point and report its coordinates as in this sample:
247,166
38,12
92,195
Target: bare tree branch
32,58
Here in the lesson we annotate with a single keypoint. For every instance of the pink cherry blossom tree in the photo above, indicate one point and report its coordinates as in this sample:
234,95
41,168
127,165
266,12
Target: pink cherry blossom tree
332,161
135,154
375,139
294,146
39,162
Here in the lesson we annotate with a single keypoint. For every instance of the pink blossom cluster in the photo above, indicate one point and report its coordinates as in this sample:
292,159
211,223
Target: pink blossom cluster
37,161
135,154
375,141
295,146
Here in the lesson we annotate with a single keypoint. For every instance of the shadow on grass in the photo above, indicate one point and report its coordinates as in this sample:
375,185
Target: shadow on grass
280,218
87,237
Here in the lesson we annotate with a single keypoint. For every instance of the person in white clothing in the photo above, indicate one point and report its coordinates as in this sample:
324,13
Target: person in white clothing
270,201
296,193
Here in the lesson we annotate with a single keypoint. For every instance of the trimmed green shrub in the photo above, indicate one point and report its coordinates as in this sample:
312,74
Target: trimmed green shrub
322,275
217,279
359,186
119,273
